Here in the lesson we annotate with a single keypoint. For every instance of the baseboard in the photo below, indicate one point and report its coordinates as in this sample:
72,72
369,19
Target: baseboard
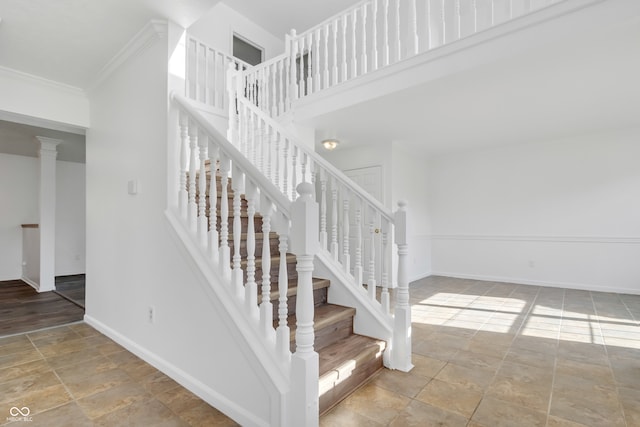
521,281
31,283
206,393
419,277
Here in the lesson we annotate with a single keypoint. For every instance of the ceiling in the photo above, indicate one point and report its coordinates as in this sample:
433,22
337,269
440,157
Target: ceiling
70,41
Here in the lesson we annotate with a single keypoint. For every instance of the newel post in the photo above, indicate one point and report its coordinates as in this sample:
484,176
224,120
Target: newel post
401,344
304,362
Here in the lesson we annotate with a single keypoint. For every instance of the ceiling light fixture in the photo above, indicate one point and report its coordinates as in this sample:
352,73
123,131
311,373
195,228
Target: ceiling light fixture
330,144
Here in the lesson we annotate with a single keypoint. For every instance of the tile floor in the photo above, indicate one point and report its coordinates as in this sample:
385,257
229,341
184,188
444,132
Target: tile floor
496,354
486,354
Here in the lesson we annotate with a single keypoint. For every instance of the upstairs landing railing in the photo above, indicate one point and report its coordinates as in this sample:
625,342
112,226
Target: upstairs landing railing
368,36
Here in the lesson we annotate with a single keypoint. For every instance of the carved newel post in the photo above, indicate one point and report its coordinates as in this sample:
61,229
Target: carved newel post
401,346
304,362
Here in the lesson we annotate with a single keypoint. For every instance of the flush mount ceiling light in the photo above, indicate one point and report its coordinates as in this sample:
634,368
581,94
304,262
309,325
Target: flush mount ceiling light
330,144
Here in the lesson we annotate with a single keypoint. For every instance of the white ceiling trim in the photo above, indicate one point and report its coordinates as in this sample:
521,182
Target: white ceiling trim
30,79
154,30
9,116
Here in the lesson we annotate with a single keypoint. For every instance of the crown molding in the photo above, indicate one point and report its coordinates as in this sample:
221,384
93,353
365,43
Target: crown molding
10,73
154,30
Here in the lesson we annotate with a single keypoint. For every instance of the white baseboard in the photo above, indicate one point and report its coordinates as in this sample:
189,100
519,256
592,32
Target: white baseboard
31,283
521,281
203,391
420,277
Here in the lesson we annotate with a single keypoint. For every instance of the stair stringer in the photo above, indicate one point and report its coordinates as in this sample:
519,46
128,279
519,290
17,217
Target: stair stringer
271,375
370,320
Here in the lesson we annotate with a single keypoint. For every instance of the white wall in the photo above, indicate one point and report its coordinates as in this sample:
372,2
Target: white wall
19,189
556,213
134,262
216,28
409,182
18,205
70,218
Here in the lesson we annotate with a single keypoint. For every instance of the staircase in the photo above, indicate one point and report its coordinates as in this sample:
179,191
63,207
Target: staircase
346,360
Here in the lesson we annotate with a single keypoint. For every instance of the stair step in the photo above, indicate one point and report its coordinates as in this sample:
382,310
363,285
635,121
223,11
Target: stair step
320,287
330,323
345,365
275,268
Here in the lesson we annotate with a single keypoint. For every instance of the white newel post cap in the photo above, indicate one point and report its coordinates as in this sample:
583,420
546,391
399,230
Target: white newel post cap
400,221
304,222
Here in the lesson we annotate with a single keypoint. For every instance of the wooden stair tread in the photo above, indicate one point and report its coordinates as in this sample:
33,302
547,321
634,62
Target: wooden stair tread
275,260
324,316
292,288
336,358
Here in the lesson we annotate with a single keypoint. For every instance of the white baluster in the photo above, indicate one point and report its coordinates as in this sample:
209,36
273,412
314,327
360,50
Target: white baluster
280,80
277,137
293,76
344,49
294,171
282,333
268,156
304,362
493,13
325,68
397,35
374,35
266,308
334,68
334,219
203,142
193,206
459,18
364,59
212,75
444,23
316,76
225,255
183,193
237,186
429,26
386,255
259,144
354,43
385,37
274,87
346,254
414,26
474,4
401,348
371,282
213,201
288,88
251,288
301,80
303,166
358,270
323,209
285,167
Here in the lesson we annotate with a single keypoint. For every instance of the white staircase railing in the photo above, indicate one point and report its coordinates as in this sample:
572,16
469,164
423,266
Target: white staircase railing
370,35
355,230
206,73
201,144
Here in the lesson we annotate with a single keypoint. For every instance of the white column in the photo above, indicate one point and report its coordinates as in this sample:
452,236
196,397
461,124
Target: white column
48,153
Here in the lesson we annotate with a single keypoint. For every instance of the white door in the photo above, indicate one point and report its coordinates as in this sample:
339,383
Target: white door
370,179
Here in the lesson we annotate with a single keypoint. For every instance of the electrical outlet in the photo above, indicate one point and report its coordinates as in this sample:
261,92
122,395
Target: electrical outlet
151,314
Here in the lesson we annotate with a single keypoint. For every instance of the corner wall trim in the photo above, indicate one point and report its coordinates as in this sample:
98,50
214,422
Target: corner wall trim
152,31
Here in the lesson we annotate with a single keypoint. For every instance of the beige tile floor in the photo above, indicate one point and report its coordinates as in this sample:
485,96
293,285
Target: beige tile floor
485,354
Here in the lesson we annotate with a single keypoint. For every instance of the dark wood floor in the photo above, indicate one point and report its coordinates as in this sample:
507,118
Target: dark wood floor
23,309
71,288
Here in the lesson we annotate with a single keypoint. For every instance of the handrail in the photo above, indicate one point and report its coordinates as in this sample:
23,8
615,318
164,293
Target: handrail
265,185
346,181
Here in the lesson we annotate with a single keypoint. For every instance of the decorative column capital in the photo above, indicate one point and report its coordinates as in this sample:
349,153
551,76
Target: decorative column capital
48,146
